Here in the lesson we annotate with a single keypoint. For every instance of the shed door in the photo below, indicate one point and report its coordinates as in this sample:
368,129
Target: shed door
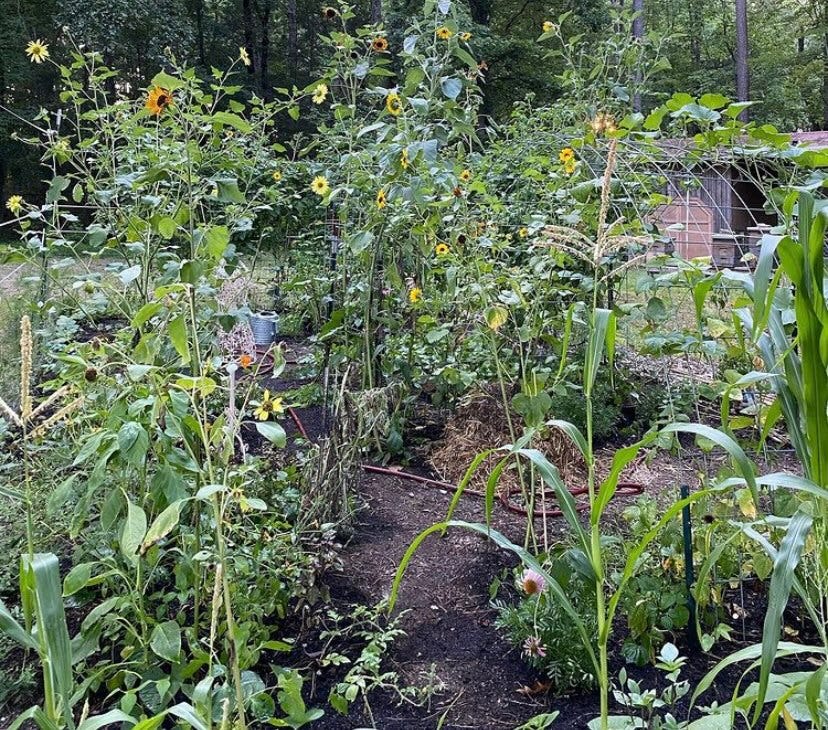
695,236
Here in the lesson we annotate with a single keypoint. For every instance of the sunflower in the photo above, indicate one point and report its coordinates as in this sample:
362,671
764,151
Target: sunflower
15,204
548,26
382,199
329,13
158,100
570,167
415,294
567,154
393,104
465,36
404,161
38,51
466,175
246,360
277,175
443,33
457,192
320,93
268,406
244,56
379,44
523,232
320,186
441,249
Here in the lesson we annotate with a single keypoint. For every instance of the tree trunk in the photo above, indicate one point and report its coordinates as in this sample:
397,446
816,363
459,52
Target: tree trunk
694,17
292,38
742,73
265,10
249,36
199,17
376,12
638,35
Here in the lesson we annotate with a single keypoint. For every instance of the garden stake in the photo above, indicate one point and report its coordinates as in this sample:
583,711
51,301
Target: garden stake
689,576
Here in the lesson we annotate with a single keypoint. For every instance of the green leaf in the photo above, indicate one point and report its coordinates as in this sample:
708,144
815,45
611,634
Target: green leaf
108,718
452,87
167,227
133,443
76,579
165,641
165,81
217,239
228,119
12,629
273,432
146,313
228,190
178,336
162,525
132,534
56,188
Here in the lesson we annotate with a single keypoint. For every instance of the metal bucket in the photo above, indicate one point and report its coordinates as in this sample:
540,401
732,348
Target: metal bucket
265,326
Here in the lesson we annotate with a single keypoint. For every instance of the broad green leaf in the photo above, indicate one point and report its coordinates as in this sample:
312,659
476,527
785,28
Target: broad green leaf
163,525
165,641
273,432
133,532
178,337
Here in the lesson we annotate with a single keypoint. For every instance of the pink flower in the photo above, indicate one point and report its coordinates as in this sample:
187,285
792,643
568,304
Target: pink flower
533,647
532,582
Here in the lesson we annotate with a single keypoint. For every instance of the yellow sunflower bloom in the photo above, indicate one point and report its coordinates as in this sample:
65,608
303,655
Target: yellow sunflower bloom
382,199
158,100
570,167
393,104
277,175
443,33
268,407
548,26
404,161
415,295
320,186
38,51
465,36
320,93
441,249
466,175
567,154
15,204
379,44
523,232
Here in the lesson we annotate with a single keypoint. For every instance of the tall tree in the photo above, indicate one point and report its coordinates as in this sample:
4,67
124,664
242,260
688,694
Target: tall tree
742,72
638,34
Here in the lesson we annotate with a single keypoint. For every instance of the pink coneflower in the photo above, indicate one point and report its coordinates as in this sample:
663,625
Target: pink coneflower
532,582
533,647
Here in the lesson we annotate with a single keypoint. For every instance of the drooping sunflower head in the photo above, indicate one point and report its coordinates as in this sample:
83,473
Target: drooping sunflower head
393,104
15,204
329,13
466,175
548,26
567,154
37,51
404,161
441,249
465,36
320,93
457,192
379,44
320,185
443,33
158,100
415,294
382,199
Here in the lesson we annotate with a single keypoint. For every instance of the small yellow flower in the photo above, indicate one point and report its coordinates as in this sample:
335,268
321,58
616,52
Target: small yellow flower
466,175
415,295
465,36
158,100
277,175
15,204
382,199
567,154
268,407
523,232
244,56
320,185
379,44
441,249
404,161
393,104
38,51
246,360
570,167
320,93
443,33
548,26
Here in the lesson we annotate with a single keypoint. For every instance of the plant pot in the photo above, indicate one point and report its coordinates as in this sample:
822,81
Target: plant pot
265,326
